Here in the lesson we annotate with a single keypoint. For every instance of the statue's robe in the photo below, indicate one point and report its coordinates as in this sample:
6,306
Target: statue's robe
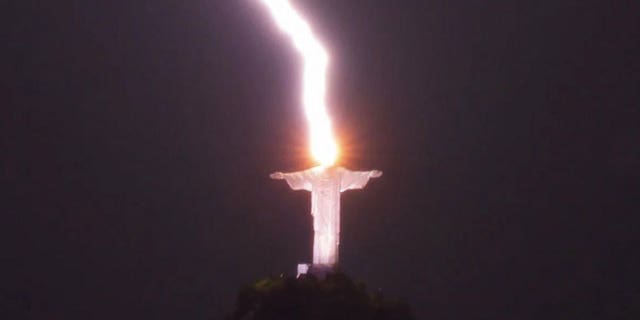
325,185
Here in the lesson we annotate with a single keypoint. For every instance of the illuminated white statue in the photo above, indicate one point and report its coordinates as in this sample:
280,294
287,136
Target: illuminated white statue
325,184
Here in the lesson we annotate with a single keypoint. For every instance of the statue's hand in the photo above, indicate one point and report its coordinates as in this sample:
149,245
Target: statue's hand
376,173
277,175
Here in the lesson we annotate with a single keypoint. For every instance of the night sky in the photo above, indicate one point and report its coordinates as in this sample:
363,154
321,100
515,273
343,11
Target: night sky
137,138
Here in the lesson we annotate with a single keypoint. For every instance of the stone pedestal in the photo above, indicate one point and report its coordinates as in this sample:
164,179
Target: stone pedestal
318,270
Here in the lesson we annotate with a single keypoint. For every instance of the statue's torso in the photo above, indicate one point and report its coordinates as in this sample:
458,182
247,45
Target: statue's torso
325,201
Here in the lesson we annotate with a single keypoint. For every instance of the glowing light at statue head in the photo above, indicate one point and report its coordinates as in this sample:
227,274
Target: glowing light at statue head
323,146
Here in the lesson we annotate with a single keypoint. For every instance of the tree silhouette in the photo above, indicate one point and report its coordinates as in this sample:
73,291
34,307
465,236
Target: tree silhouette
336,297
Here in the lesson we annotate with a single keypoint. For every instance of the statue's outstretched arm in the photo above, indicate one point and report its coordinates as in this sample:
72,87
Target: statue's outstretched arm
296,180
357,179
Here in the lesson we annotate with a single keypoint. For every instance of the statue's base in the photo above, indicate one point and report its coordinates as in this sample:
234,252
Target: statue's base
318,270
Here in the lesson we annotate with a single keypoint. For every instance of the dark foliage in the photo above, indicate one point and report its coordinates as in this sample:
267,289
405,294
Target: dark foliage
333,298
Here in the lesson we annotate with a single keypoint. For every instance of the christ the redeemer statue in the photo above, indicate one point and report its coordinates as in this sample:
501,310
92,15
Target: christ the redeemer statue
325,184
